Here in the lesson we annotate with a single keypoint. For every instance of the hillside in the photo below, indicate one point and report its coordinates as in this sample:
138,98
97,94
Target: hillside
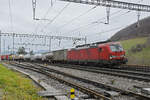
133,31
142,57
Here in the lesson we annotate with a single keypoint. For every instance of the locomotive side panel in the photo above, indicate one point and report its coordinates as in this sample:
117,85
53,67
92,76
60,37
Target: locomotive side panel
104,52
83,55
93,54
72,55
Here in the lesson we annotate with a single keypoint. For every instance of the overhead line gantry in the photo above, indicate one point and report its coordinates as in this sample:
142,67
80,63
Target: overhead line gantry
42,36
45,37
114,4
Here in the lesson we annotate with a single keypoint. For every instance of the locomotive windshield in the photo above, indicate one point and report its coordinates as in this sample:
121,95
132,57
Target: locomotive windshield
116,47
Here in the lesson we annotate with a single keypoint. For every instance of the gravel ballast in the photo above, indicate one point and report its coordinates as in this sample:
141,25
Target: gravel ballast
118,82
115,81
53,83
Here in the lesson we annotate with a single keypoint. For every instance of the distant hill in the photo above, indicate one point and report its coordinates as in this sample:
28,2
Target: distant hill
133,31
140,58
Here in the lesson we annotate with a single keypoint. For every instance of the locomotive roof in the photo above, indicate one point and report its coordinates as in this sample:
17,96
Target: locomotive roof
109,43
93,45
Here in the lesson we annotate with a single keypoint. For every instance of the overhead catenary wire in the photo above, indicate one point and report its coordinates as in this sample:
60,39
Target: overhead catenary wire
49,9
106,31
92,23
69,21
37,26
44,17
99,20
57,15
117,18
117,28
113,29
77,17
122,14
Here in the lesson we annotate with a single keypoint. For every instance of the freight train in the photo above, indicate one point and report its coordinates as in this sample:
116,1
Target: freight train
100,53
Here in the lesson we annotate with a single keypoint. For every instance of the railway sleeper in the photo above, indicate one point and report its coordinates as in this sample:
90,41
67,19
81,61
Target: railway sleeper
140,97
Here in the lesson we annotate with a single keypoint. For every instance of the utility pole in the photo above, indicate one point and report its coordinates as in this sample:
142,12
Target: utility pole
8,49
85,40
34,7
47,40
49,44
108,14
138,19
0,45
13,47
51,2
4,45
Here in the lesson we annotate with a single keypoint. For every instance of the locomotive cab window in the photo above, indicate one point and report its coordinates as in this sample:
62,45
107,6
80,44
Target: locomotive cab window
116,47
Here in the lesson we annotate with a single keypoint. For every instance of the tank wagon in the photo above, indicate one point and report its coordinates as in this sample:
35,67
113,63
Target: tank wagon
47,57
36,57
27,57
20,57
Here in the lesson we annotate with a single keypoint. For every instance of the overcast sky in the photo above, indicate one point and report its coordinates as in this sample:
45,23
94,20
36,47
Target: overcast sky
75,20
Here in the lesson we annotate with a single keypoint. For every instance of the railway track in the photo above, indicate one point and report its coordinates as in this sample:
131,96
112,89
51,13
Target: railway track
46,71
90,92
136,75
143,68
140,68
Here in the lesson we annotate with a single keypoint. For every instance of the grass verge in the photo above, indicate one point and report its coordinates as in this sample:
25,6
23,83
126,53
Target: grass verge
17,87
141,58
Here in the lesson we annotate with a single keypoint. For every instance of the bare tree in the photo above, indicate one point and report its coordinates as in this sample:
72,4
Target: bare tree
21,50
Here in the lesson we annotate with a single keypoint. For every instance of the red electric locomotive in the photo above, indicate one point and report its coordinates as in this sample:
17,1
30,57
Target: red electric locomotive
97,53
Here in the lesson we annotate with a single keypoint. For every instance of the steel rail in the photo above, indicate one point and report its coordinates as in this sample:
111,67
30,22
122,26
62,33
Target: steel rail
143,68
119,70
97,84
83,89
125,74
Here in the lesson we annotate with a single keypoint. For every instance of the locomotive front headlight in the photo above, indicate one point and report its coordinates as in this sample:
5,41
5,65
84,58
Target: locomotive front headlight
122,56
110,57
